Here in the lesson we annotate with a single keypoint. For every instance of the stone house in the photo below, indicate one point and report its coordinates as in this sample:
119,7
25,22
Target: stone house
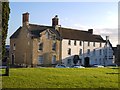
32,45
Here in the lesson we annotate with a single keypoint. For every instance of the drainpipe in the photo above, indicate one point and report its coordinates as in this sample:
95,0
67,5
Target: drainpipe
83,50
60,50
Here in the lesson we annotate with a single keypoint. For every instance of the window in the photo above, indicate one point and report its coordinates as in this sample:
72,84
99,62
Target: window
41,46
88,43
80,43
94,44
40,59
69,61
47,35
80,52
69,42
94,51
100,61
14,46
100,44
69,51
54,37
75,42
100,51
53,59
88,51
54,46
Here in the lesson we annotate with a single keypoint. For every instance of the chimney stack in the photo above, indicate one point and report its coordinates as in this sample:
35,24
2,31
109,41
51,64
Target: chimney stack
25,19
107,38
90,31
55,21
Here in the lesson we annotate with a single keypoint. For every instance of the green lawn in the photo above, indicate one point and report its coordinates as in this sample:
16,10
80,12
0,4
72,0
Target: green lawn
61,78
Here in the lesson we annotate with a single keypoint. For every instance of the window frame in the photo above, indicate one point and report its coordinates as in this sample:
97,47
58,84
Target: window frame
40,60
69,42
80,43
75,42
69,51
40,47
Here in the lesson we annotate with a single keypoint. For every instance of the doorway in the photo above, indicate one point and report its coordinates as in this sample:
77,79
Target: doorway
13,59
87,62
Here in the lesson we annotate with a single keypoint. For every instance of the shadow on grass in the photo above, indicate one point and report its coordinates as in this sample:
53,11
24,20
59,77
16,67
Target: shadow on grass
112,73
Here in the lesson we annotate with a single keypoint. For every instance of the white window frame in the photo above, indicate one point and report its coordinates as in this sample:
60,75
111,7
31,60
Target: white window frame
40,59
54,59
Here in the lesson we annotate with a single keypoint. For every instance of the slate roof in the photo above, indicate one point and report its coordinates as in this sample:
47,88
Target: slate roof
15,34
75,34
65,33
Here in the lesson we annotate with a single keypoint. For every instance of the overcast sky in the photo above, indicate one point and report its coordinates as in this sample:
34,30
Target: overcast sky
102,17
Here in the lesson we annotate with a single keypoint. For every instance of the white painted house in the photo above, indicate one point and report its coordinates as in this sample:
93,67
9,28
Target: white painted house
96,52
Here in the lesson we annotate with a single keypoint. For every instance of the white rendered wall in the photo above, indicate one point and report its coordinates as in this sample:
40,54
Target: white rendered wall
94,59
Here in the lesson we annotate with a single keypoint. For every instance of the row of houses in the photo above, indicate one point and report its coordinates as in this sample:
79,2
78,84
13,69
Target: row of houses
33,45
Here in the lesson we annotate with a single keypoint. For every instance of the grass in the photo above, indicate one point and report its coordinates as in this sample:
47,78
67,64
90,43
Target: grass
61,78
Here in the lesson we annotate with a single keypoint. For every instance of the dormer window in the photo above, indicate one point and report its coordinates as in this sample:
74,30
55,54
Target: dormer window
14,46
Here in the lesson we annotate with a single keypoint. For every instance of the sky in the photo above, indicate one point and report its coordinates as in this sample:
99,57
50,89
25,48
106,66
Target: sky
102,17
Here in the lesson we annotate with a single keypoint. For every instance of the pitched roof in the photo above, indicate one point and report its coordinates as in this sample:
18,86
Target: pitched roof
16,33
65,33
75,34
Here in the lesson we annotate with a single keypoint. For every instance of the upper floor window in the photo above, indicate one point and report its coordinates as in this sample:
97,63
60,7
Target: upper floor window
100,44
80,43
94,51
75,42
40,59
100,51
88,43
47,35
80,52
53,37
88,51
54,46
41,46
94,44
14,46
69,51
53,59
69,42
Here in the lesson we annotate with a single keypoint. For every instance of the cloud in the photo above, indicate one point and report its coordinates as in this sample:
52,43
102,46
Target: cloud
111,32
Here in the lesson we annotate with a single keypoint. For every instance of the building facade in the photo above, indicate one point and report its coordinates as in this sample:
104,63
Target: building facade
32,45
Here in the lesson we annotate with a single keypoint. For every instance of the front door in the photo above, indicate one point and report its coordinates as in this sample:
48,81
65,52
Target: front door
13,59
86,62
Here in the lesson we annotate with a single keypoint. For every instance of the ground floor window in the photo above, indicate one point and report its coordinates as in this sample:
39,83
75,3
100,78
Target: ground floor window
69,61
40,59
54,59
